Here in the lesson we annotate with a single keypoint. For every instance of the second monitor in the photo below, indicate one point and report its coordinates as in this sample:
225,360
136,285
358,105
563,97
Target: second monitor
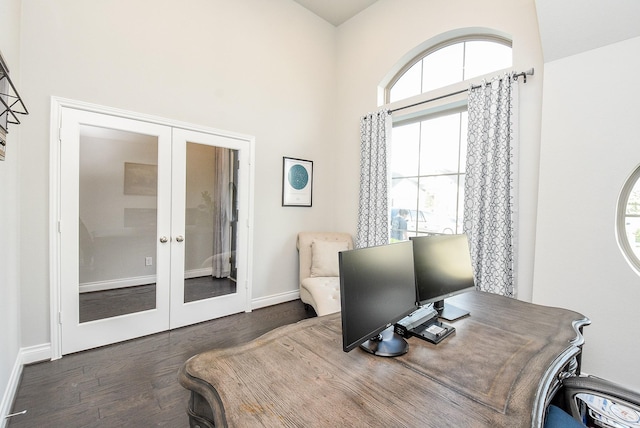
443,269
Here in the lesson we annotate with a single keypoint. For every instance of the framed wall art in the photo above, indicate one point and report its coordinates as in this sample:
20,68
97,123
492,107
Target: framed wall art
297,182
140,179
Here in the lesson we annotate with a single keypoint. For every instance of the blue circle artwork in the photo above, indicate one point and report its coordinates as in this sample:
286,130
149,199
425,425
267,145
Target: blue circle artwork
298,177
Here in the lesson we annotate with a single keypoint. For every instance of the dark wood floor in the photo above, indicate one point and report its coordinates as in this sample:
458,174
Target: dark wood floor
134,383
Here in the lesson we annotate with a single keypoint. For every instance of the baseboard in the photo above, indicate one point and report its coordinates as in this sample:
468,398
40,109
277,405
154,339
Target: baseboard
114,284
10,392
29,355
35,354
274,299
88,287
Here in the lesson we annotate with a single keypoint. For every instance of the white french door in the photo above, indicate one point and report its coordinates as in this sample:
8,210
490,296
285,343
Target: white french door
147,218
198,153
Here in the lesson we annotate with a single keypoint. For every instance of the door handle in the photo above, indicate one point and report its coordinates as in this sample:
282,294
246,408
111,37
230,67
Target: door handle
164,239
179,238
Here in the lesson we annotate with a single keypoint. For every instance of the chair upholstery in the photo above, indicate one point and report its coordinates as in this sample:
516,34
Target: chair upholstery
612,401
320,282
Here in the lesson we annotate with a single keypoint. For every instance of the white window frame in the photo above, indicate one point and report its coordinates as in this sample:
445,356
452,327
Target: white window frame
436,47
621,220
437,101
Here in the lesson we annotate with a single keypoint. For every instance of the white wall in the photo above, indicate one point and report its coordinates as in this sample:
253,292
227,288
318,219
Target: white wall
9,220
253,67
590,145
374,41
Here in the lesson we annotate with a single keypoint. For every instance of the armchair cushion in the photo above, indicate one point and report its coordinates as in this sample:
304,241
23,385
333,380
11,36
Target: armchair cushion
319,269
322,293
324,257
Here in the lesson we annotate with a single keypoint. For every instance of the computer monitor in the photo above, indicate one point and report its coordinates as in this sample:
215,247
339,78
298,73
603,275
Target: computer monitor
442,269
377,289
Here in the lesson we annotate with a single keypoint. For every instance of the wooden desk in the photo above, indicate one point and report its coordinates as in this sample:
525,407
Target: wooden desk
498,370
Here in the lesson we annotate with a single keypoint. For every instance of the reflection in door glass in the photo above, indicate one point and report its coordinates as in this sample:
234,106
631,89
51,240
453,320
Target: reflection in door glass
118,176
211,222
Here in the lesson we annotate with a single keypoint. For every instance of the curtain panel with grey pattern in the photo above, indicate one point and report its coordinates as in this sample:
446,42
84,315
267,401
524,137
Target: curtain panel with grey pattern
491,184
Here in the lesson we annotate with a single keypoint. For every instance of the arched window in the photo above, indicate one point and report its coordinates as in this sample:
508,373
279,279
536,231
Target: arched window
428,149
628,220
450,62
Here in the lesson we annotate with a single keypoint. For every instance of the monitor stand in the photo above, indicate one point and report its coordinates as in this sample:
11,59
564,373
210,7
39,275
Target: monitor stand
386,344
449,312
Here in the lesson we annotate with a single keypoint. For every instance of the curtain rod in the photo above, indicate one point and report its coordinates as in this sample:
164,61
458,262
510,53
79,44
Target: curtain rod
523,74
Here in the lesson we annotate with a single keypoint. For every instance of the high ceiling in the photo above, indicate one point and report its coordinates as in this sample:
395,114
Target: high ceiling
336,11
569,27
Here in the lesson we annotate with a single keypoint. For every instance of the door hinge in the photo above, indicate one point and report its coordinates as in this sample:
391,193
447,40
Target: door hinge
59,227
60,317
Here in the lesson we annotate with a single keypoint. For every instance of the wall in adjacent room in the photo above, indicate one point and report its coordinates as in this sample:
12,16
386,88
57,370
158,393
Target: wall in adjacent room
590,146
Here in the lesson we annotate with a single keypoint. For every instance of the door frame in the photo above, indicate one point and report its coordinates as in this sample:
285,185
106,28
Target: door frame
57,106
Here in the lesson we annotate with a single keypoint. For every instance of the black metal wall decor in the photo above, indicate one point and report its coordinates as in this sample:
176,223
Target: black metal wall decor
11,105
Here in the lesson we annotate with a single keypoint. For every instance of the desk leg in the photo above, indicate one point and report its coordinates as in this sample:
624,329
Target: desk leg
199,412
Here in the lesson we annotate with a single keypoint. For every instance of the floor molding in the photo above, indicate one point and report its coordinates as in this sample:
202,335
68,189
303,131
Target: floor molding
274,299
11,390
35,354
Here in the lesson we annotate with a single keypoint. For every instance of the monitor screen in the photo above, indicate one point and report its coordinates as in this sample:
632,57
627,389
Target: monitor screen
443,269
377,289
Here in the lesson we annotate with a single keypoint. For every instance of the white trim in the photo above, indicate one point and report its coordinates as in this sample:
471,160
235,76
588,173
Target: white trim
54,235
36,353
134,281
57,106
197,273
111,284
125,114
274,299
249,229
32,354
10,391
621,218
434,41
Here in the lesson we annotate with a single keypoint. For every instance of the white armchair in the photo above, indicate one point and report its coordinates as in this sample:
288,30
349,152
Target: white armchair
319,270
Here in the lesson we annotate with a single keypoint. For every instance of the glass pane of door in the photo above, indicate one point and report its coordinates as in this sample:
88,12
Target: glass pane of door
118,205
210,221
209,252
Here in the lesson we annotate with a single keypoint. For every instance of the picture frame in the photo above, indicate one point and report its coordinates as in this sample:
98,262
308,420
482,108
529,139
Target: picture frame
297,182
140,179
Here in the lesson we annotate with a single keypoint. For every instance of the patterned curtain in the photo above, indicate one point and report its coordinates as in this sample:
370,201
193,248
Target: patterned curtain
491,184
373,211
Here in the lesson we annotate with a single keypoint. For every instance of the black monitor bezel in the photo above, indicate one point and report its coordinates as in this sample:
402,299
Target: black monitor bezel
349,344
441,296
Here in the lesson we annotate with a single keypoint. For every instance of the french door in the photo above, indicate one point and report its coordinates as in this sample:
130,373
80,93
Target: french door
148,237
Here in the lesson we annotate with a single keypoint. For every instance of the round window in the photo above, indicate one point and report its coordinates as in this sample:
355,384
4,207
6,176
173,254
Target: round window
629,220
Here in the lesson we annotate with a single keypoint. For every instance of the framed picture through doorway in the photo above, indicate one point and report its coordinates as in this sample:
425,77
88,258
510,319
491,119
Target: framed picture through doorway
297,182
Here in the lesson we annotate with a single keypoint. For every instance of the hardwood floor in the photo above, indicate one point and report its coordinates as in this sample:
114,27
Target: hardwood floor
134,383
